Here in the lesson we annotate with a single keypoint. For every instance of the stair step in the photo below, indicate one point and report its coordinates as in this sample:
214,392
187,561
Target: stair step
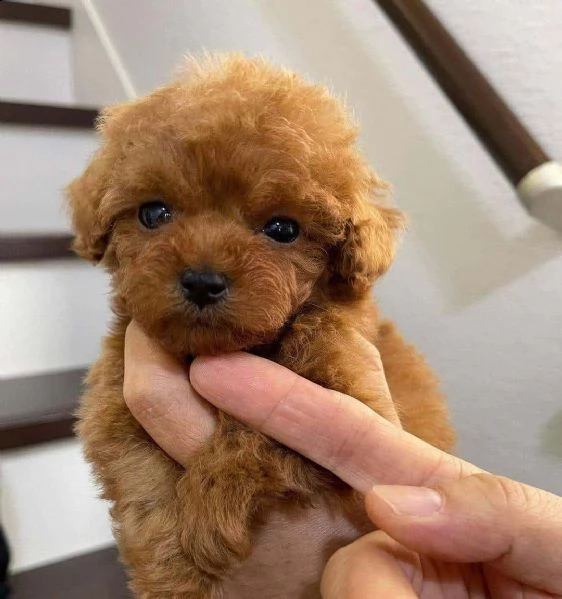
51,115
54,316
15,245
37,164
15,436
20,248
91,576
36,14
35,230
51,511
36,63
39,408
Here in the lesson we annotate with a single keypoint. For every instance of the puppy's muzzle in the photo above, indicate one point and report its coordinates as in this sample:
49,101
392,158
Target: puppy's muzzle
203,287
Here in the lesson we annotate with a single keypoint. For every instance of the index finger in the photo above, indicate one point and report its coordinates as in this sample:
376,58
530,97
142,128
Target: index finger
332,429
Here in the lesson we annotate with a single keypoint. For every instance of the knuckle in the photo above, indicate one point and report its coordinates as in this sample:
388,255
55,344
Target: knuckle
290,390
343,452
506,492
139,396
443,464
335,573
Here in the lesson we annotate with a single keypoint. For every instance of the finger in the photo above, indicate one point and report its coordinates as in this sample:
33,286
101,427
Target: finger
334,430
482,518
377,566
157,390
502,586
376,380
373,567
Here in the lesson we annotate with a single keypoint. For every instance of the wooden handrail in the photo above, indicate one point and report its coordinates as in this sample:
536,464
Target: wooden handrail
536,177
502,133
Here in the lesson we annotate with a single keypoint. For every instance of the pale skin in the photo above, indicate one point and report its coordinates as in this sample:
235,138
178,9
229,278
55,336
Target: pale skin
447,529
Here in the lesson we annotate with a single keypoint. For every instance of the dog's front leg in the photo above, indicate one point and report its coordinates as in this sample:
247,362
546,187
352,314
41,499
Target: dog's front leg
228,490
140,481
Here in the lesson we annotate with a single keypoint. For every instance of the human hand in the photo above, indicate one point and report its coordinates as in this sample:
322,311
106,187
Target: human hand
290,551
492,537
448,529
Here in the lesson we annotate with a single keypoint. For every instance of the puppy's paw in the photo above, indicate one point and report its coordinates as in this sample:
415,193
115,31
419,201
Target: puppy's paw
217,521
192,584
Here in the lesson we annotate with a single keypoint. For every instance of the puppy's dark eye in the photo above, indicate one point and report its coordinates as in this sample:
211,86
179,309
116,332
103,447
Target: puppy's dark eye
154,214
283,230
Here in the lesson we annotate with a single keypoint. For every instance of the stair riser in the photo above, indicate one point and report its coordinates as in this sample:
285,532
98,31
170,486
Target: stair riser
53,314
50,508
37,163
35,64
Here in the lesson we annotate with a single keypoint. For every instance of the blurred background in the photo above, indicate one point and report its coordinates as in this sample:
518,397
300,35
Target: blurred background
477,285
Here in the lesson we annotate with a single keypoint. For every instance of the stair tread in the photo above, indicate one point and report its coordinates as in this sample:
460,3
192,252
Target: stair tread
39,408
29,246
54,115
37,14
90,576
36,433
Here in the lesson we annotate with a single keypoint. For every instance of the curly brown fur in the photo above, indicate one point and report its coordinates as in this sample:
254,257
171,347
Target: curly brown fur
229,145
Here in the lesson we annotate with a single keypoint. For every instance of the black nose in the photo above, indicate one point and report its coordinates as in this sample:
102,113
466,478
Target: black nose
203,287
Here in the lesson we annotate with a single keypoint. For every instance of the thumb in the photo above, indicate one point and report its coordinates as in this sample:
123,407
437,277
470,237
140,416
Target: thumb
482,518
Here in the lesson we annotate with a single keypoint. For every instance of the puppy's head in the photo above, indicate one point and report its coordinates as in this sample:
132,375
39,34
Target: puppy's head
225,201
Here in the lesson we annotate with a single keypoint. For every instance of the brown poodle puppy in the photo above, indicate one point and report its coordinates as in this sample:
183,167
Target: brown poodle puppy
233,212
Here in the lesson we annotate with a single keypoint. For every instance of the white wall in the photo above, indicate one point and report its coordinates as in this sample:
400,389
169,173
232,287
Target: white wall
477,283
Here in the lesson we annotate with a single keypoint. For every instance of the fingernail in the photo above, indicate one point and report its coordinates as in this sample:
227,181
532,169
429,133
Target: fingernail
410,501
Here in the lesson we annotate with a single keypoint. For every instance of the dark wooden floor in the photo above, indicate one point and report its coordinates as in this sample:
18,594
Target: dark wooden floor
96,575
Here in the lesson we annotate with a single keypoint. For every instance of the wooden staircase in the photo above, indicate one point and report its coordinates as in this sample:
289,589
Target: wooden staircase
38,407
42,423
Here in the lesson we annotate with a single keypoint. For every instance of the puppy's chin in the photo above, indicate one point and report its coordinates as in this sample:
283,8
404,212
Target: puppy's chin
188,339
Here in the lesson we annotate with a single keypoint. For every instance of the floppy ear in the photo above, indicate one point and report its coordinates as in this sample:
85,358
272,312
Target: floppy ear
84,196
368,247
86,193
